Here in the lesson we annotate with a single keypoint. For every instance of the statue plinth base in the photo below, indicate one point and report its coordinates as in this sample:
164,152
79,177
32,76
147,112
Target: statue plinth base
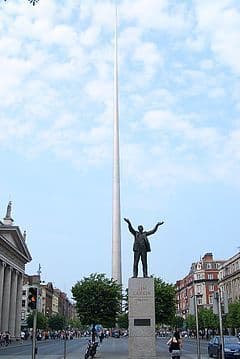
141,316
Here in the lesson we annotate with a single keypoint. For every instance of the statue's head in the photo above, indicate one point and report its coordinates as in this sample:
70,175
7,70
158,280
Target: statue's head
140,228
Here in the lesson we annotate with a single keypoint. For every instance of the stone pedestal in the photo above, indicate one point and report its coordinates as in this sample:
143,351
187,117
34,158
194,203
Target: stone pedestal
141,316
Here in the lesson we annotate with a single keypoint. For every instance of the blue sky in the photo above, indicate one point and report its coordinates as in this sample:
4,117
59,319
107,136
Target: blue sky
179,67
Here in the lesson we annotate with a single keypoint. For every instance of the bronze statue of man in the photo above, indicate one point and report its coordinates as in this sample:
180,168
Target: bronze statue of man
141,246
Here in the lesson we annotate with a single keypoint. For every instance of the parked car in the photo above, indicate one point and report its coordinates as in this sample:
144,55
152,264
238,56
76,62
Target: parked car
231,347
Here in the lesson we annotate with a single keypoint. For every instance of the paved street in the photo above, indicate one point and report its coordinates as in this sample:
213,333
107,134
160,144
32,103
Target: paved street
112,348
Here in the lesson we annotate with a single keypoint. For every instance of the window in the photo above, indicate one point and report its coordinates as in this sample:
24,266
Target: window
209,265
211,287
199,301
210,276
199,289
24,292
22,315
210,299
23,303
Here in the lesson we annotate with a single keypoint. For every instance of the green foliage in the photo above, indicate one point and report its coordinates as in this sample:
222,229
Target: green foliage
233,316
41,321
178,322
191,322
76,324
207,319
123,320
98,300
165,306
57,322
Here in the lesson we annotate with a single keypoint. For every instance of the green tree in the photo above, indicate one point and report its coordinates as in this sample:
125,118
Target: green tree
123,320
41,321
98,300
207,319
191,322
233,316
76,324
165,306
57,322
178,322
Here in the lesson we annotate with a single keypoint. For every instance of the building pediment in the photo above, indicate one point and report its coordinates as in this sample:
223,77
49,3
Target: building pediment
12,240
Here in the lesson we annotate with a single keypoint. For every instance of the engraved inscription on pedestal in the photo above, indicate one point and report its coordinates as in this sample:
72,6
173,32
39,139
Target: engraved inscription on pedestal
142,322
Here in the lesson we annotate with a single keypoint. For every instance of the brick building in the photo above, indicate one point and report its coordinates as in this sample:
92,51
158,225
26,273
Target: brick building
202,281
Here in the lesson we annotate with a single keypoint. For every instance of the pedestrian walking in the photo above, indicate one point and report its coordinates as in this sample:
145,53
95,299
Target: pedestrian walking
101,336
175,345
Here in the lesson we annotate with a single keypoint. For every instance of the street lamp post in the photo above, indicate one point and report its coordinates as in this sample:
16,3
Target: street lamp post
65,344
197,326
218,310
34,347
65,333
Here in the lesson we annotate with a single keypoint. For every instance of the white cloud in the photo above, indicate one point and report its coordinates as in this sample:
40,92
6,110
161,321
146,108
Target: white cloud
56,90
189,133
90,36
149,55
13,130
100,91
96,135
154,14
62,35
218,21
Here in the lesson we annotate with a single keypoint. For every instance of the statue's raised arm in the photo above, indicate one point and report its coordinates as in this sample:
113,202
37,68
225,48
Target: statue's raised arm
130,227
154,229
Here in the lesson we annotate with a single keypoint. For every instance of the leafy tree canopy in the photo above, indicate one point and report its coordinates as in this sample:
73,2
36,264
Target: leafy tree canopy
233,316
76,324
191,322
178,322
165,306
57,322
123,320
41,321
207,319
98,300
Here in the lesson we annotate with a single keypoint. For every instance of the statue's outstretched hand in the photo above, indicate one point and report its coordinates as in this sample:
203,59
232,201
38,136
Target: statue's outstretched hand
160,223
126,220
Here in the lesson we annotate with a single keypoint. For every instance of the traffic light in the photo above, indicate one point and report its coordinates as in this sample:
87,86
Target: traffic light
32,298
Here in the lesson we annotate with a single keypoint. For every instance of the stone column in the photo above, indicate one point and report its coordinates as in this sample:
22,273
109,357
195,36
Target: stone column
2,267
13,301
6,298
141,315
18,306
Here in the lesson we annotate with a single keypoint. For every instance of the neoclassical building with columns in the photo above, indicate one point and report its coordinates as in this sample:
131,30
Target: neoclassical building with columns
14,255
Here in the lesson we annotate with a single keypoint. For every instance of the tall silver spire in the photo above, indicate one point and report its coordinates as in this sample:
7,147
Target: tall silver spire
116,218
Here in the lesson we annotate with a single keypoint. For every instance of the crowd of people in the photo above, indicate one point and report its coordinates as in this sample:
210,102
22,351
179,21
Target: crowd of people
49,334
5,339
